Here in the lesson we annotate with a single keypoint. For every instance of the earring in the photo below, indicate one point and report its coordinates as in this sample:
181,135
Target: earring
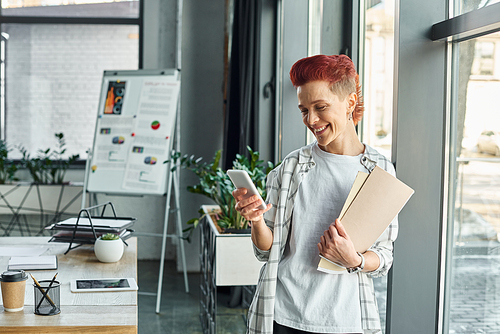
350,116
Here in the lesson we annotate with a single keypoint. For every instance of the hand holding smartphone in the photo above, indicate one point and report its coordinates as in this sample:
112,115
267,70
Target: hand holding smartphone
241,179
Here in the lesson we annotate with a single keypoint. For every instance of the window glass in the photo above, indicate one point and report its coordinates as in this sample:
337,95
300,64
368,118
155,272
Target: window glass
465,6
315,25
73,8
53,76
377,84
472,291
484,56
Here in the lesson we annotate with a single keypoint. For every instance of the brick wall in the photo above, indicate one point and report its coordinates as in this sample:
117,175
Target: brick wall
53,80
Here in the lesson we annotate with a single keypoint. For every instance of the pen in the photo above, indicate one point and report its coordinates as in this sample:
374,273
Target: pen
43,291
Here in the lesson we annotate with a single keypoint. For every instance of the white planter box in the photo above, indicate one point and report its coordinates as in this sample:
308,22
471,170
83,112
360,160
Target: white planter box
235,262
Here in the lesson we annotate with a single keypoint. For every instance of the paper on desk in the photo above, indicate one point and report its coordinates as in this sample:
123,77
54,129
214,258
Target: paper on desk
22,251
98,222
32,262
376,202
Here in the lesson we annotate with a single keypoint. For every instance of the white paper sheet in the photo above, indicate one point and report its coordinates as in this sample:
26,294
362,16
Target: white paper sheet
22,251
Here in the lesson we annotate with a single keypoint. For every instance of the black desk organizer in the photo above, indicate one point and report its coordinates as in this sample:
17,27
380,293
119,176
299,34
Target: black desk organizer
87,234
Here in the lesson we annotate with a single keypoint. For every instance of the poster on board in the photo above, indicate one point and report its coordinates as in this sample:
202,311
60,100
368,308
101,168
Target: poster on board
134,126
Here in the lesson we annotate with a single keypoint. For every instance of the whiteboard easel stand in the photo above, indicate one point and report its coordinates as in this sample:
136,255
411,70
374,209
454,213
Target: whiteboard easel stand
172,177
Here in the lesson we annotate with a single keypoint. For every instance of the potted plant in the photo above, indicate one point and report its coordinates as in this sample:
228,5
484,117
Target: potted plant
7,166
214,183
48,167
47,198
108,248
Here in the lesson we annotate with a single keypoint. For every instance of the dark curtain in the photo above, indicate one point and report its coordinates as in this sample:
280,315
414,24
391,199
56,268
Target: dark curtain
240,121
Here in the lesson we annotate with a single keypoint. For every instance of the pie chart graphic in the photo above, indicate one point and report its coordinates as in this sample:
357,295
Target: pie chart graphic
155,125
150,160
118,140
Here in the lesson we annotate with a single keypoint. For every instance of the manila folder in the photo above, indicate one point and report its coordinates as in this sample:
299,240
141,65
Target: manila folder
373,208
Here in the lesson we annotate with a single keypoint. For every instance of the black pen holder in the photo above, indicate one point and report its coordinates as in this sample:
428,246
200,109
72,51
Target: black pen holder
47,297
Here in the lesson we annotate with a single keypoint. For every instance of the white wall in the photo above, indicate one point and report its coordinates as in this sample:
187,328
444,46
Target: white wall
202,97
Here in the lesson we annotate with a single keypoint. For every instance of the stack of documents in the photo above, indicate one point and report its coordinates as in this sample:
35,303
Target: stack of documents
374,201
32,262
85,230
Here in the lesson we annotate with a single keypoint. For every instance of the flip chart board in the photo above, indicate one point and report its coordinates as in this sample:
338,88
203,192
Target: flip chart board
133,137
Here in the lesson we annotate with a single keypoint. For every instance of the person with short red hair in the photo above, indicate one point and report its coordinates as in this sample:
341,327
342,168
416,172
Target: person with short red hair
305,195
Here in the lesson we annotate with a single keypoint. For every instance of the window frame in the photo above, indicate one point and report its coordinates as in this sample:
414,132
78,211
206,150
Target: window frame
416,301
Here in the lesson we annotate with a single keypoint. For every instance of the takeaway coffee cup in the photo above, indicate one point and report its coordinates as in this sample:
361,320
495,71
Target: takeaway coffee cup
13,284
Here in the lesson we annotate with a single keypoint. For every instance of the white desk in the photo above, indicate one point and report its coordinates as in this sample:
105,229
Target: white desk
98,312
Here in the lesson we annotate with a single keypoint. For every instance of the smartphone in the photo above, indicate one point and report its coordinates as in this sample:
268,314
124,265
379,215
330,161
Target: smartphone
241,179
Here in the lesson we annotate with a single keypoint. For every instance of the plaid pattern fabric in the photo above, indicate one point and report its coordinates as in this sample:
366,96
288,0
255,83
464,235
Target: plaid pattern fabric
282,186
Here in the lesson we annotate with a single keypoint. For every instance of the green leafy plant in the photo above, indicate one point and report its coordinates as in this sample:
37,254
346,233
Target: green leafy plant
49,166
7,166
110,236
214,183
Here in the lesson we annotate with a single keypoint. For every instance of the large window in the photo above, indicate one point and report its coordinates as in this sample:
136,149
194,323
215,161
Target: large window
53,57
377,76
473,275
472,285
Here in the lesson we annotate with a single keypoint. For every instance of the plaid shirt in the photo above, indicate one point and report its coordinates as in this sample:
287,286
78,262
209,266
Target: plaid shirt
282,186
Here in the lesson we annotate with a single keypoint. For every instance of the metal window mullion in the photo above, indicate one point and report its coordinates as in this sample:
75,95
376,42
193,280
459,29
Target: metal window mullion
278,155
469,25
141,34
68,20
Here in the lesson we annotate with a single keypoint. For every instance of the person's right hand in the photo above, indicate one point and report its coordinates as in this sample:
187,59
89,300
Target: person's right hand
248,208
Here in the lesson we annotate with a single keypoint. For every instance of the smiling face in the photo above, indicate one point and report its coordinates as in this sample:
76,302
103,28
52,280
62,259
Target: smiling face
325,114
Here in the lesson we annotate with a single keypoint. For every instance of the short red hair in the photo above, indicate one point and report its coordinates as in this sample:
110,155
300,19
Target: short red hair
337,70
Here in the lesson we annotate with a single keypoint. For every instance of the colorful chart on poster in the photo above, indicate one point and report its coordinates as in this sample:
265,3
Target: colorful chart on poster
155,125
150,160
114,98
118,140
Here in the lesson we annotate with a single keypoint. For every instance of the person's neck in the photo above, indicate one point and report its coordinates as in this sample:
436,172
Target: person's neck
346,145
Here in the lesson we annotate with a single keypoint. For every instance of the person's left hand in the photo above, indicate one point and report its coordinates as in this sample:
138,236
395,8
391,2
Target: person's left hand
336,245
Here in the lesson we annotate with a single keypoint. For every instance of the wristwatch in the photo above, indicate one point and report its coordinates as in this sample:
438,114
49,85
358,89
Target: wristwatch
358,268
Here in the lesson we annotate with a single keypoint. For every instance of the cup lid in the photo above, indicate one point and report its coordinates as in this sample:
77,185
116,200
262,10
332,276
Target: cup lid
13,276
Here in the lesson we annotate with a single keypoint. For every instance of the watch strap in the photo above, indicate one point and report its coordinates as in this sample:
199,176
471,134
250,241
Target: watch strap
358,268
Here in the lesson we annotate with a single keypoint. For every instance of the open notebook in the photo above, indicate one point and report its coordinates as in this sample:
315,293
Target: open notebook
374,201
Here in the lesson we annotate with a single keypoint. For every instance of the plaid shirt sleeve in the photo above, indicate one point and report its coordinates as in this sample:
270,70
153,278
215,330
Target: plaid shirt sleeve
272,187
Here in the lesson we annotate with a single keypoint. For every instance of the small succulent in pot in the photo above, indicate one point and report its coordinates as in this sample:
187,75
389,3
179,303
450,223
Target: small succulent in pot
109,248
110,236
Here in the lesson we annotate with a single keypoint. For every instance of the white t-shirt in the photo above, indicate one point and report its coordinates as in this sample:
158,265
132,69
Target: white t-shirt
306,298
